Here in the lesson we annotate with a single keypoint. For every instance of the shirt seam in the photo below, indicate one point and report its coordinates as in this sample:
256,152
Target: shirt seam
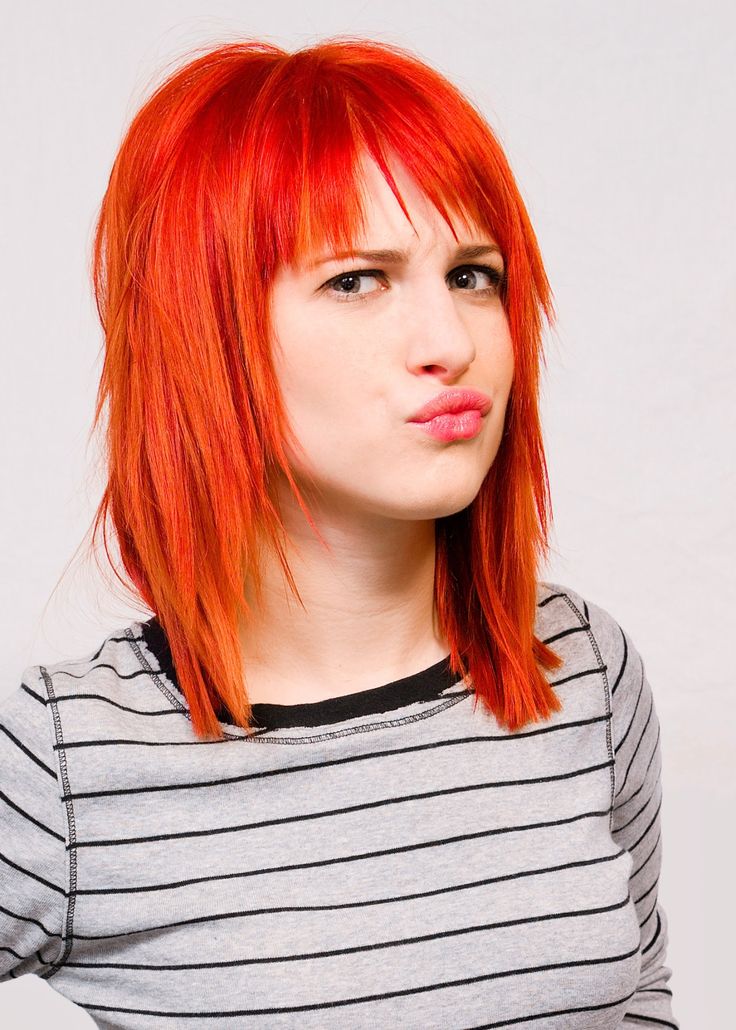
602,668
67,924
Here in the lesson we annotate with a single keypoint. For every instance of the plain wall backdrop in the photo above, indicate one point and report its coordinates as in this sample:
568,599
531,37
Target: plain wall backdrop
618,121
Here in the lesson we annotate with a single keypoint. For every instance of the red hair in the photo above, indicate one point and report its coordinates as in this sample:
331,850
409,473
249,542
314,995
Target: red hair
244,158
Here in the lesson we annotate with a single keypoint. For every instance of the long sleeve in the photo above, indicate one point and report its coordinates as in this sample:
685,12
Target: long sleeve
636,815
32,841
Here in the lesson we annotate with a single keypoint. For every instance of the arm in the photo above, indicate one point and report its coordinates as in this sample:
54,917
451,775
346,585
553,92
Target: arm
32,834
635,818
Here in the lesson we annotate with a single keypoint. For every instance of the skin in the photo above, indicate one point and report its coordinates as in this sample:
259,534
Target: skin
352,372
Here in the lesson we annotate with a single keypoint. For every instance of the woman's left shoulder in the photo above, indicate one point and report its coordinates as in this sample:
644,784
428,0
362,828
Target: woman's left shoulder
613,645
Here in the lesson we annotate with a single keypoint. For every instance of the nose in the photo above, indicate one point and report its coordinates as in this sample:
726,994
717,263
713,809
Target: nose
438,335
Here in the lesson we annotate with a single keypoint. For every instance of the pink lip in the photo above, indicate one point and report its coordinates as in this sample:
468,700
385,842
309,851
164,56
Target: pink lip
453,402
461,426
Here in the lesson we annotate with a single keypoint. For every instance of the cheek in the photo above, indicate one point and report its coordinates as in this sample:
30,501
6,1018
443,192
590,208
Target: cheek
495,359
505,358
324,371
327,395
300,361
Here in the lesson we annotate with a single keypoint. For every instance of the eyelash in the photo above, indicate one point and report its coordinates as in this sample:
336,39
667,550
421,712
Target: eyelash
498,278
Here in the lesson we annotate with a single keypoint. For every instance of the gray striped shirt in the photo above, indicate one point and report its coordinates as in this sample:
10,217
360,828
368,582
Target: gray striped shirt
388,858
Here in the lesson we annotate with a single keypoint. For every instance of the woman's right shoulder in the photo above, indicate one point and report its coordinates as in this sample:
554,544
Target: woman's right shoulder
25,732
111,686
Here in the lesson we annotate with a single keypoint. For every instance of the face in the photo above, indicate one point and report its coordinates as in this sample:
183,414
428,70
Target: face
360,345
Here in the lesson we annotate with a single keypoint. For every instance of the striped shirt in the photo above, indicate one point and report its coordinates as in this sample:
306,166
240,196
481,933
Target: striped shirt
391,857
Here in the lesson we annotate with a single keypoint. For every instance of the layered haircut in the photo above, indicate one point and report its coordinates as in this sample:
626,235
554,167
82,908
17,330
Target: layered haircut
244,158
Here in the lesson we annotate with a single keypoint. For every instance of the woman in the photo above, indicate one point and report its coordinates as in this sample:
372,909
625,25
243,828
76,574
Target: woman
322,302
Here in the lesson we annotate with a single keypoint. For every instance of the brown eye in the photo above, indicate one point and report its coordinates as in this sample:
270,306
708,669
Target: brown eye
470,272
349,279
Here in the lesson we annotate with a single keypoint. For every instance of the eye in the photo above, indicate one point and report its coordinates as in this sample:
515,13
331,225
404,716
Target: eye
465,273
351,278
496,276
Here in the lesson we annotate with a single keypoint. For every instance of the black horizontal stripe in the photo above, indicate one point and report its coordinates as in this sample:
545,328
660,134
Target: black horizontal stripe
10,951
624,660
32,875
491,738
116,704
215,917
28,919
648,827
362,856
106,642
655,937
636,721
634,715
570,631
312,766
27,751
635,872
624,826
101,665
650,1020
33,694
310,956
652,911
483,977
636,753
620,805
642,897
389,851
26,815
122,741
360,903
364,807
581,674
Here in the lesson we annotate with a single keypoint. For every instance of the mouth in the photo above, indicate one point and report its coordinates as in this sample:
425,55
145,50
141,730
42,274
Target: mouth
453,402
460,425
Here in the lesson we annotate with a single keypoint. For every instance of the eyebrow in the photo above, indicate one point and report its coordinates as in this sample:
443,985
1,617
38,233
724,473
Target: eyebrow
401,257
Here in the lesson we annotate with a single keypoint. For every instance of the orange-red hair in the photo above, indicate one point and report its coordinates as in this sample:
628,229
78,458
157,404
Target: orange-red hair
244,158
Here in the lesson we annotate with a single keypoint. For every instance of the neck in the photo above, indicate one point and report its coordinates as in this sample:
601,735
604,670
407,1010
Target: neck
368,615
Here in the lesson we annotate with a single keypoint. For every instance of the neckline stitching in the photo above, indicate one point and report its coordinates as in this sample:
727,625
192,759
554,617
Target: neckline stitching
159,676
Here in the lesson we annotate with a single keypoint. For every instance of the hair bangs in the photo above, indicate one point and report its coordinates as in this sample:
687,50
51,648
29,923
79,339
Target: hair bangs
306,193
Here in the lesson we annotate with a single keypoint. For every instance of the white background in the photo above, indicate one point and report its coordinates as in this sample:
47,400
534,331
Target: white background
618,120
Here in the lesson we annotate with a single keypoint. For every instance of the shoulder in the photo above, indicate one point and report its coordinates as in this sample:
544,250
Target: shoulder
25,732
560,608
106,691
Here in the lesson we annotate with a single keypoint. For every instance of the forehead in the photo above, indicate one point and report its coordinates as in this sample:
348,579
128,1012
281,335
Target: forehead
383,210
385,226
